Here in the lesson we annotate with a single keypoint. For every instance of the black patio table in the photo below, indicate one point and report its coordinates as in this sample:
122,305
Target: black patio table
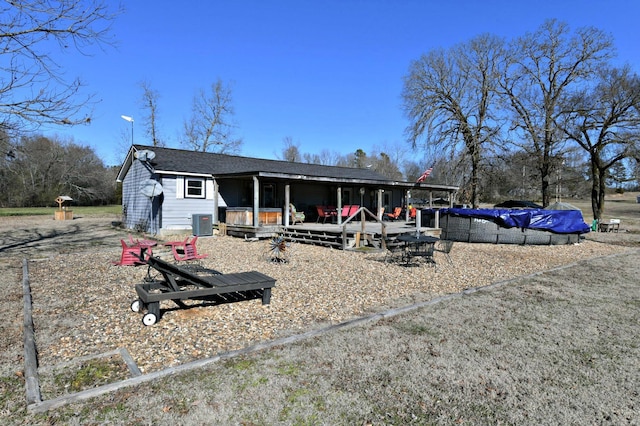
418,246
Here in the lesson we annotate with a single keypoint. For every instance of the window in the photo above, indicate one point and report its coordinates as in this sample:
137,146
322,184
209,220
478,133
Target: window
194,188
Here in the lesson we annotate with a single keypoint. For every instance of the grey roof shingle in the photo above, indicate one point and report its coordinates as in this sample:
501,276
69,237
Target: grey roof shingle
178,160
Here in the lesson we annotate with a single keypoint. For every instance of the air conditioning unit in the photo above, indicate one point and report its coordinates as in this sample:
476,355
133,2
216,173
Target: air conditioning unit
202,224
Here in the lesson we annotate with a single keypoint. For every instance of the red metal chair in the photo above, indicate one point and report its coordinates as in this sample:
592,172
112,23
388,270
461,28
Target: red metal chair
185,250
325,212
345,211
131,254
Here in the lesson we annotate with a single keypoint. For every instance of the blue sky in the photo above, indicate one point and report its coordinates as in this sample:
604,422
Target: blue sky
328,74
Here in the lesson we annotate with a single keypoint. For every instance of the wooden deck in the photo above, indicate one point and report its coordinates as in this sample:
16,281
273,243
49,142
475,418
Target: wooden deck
354,236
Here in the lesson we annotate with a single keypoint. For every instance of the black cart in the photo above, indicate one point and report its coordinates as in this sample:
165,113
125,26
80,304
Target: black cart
196,283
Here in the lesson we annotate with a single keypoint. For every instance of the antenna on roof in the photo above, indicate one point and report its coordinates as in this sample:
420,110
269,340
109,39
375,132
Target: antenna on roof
145,155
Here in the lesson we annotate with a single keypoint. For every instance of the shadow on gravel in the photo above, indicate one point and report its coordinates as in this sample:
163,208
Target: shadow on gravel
62,239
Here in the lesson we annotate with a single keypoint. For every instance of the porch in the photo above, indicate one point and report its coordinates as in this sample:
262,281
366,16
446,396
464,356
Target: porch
352,235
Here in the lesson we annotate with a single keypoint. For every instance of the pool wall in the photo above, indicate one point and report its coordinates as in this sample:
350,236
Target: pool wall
463,227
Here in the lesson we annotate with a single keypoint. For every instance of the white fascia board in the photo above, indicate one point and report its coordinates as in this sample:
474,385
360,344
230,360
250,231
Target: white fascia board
164,172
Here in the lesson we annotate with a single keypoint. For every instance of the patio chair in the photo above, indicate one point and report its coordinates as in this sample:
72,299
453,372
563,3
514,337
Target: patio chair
325,212
296,216
444,247
395,250
397,211
185,250
345,211
131,254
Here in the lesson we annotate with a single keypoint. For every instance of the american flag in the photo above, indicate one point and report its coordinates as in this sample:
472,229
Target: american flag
425,175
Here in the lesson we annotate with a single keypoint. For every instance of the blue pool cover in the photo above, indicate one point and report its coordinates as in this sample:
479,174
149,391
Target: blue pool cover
558,221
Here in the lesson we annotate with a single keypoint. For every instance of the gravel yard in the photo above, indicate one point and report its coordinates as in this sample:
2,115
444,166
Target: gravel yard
81,300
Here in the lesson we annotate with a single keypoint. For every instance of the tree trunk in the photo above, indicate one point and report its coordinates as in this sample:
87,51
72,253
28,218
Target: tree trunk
544,175
475,180
598,187
601,193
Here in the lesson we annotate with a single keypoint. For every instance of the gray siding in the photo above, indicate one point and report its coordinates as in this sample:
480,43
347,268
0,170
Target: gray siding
136,206
177,212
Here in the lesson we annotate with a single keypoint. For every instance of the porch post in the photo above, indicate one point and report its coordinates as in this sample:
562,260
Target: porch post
215,201
256,201
407,195
287,200
380,192
339,205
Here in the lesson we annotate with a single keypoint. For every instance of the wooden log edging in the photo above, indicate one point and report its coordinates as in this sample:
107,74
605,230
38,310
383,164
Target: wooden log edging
32,383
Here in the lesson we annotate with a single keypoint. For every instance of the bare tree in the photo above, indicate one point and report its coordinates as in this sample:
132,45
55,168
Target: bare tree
449,98
150,105
325,157
291,150
605,122
382,163
211,126
387,160
33,87
44,168
540,68
389,157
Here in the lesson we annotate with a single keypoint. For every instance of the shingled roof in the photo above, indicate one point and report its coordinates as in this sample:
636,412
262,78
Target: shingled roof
220,165
180,161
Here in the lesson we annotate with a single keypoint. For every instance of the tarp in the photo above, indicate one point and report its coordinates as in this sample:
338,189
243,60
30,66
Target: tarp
514,204
558,221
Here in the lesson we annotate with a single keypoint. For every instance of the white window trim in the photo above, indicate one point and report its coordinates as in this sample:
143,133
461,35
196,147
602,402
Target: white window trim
180,187
209,189
202,186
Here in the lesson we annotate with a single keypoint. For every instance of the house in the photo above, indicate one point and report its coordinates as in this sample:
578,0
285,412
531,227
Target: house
165,190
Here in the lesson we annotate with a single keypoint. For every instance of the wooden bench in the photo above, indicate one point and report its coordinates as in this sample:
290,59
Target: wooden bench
197,283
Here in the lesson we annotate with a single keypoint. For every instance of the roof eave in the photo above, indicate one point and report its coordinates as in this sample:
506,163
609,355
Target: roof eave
172,172
126,165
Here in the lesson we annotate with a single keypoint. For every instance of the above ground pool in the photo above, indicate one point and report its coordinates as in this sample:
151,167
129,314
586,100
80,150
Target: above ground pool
509,226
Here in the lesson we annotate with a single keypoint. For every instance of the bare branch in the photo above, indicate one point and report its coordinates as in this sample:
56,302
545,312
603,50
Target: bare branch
211,126
33,87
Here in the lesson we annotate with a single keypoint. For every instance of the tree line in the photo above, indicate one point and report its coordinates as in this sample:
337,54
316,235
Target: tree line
36,170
